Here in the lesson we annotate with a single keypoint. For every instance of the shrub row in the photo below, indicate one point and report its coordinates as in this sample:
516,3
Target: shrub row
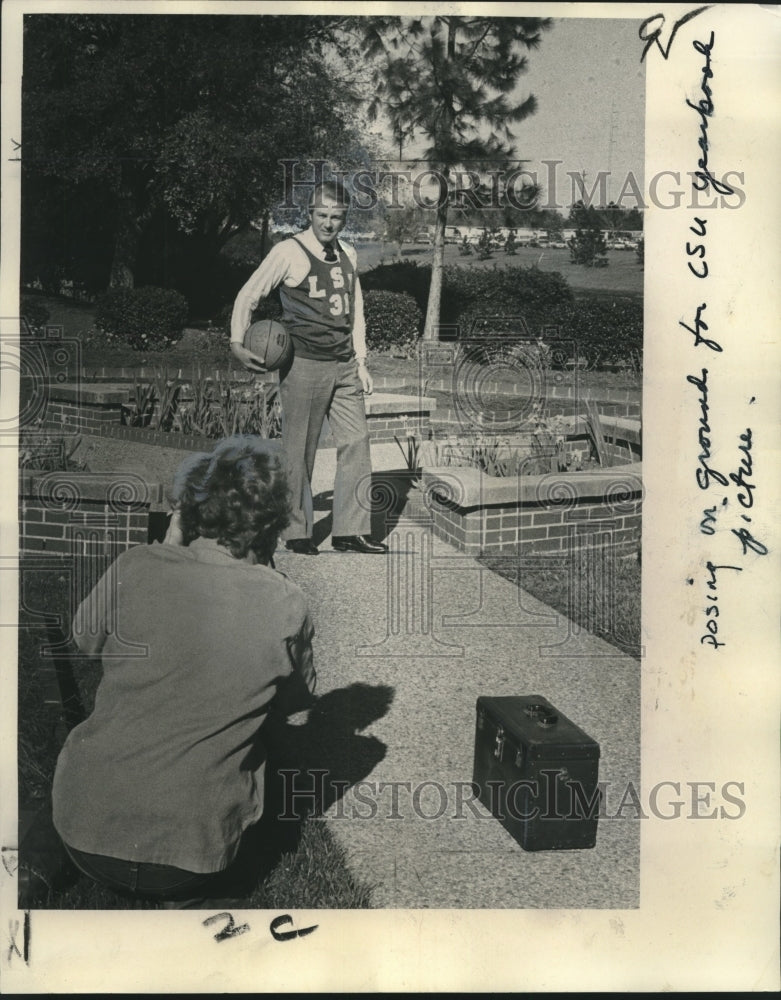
503,301
500,301
606,330
34,313
527,300
394,322
148,319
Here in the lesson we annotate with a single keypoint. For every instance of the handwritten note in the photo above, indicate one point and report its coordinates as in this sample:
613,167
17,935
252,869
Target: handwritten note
731,488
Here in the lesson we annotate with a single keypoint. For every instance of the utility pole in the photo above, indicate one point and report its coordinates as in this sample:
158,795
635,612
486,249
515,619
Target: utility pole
610,146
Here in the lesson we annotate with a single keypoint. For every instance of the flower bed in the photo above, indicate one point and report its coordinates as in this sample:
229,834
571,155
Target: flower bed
116,409
531,515
531,508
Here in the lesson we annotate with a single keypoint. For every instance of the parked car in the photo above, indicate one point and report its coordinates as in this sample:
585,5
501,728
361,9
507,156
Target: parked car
557,244
474,235
423,236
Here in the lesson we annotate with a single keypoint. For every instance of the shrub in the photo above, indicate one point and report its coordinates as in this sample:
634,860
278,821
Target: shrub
607,331
403,276
475,298
587,246
35,312
484,246
393,321
147,319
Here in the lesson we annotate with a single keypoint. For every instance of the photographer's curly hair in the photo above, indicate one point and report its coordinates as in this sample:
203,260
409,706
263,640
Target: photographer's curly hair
237,495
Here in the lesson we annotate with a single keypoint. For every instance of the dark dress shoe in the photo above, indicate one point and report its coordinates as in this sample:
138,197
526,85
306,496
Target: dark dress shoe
357,543
302,547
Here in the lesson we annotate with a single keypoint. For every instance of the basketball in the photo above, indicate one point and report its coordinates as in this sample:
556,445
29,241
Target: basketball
269,341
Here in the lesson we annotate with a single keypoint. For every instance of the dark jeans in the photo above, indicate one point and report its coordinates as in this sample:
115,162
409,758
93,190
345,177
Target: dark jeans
141,879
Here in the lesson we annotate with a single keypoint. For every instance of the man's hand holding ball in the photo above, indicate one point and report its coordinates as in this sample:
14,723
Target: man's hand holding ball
247,358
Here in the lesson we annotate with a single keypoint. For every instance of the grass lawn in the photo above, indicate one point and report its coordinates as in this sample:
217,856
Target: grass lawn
623,275
602,600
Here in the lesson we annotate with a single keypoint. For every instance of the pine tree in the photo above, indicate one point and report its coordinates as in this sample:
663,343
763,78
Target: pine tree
449,78
588,245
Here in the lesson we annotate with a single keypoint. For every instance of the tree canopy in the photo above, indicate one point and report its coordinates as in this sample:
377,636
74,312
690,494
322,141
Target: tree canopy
173,122
450,79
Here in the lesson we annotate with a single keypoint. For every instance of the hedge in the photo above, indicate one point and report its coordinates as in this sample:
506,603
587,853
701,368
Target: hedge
607,331
148,319
510,301
405,276
394,321
35,313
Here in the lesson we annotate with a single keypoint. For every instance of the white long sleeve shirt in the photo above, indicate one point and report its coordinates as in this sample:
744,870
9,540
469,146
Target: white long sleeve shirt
287,263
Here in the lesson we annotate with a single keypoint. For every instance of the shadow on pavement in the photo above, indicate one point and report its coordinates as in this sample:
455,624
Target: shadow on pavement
391,494
309,768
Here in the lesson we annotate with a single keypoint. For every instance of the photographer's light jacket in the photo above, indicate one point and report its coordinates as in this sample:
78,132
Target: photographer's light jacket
292,264
194,644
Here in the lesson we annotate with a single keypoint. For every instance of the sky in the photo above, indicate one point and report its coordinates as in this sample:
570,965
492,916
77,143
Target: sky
590,85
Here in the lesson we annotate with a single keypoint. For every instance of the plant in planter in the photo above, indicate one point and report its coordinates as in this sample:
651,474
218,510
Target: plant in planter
410,450
196,415
137,412
167,391
40,452
539,448
246,407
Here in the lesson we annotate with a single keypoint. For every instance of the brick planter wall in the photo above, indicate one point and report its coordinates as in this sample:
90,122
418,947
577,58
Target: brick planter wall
536,514
97,409
84,514
71,418
384,426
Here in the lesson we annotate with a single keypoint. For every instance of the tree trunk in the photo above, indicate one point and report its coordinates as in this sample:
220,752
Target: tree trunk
126,240
431,328
264,234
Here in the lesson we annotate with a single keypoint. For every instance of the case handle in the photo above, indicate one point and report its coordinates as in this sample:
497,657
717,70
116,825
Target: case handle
541,714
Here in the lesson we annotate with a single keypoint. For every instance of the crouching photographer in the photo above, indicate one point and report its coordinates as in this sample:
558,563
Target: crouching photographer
198,636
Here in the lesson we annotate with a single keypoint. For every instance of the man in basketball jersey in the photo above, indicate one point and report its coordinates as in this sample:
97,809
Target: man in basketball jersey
323,312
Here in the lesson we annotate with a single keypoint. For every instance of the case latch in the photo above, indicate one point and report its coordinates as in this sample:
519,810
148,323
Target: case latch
543,716
499,743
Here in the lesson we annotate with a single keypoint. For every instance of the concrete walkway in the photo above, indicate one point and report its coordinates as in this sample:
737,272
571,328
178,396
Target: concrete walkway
405,644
